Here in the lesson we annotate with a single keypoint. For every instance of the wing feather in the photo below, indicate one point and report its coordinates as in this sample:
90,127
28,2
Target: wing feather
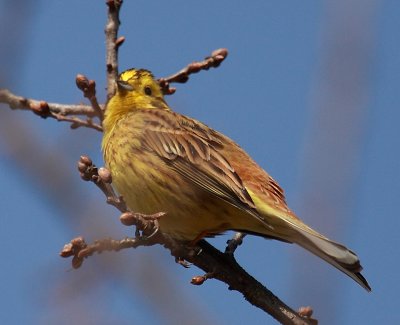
192,150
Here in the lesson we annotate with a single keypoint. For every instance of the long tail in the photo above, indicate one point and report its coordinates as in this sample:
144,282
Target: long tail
335,254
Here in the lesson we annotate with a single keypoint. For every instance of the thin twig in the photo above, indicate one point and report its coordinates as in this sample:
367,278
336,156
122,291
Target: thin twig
19,102
112,45
77,122
102,179
52,110
79,250
88,88
182,76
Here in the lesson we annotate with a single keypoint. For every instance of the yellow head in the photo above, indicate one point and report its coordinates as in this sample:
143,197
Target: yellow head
136,89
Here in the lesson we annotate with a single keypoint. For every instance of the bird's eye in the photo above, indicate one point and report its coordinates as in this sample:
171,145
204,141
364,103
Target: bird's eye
147,90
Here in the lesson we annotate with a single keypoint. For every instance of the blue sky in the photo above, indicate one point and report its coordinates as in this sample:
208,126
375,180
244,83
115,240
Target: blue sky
309,89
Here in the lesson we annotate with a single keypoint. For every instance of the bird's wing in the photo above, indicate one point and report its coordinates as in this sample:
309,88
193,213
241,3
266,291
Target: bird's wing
194,151
256,180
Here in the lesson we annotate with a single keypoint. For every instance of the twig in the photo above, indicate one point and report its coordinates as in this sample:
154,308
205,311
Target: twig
182,76
102,179
112,45
19,102
79,250
88,88
60,111
52,110
234,243
76,122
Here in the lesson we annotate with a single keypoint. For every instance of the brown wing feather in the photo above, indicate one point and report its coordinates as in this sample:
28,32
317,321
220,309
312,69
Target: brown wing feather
254,177
194,151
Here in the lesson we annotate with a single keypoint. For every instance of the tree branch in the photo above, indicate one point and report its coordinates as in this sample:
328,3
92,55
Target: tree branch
234,243
217,265
88,88
19,102
212,61
112,44
60,112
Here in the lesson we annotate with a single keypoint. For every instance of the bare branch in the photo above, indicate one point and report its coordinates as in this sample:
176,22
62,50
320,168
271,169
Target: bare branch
102,179
182,76
112,45
57,111
88,88
224,267
234,243
77,122
217,265
19,102
79,250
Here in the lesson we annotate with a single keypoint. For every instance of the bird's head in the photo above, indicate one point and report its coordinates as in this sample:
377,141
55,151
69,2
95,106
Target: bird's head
138,86
136,89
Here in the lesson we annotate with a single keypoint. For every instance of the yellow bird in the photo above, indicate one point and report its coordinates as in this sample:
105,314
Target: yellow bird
164,161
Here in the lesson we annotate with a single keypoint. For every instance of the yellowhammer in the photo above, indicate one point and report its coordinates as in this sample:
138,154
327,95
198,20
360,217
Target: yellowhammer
164,161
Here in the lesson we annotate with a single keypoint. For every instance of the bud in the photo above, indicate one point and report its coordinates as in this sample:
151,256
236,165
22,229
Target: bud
306,311
82,82
221,53
86,160
128,219
120,40
198,280
77,262
67,250
105,175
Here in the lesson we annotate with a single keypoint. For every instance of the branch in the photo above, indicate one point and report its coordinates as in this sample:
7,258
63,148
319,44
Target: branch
102,179
225,268
19,102
182,76
88,88
217,265
112,45
60,112
234,243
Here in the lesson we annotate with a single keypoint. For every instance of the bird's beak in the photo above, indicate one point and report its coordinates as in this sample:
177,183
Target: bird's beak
123,85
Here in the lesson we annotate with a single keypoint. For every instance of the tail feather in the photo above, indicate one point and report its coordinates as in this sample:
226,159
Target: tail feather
335,254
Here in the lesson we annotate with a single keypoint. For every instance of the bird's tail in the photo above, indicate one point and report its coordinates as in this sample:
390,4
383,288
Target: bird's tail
335,254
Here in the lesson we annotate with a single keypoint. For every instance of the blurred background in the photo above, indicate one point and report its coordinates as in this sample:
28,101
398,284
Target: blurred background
310,89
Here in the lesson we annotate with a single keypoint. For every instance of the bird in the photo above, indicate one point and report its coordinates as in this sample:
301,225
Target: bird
206,184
